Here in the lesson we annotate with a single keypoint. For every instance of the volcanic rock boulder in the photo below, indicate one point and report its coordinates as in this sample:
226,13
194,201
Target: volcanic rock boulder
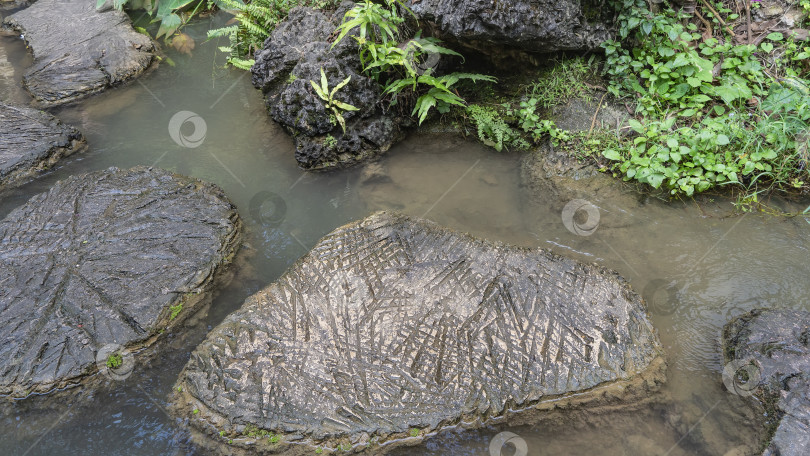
393,324
526,25
31,140
77,49
104,259
294,55
768,354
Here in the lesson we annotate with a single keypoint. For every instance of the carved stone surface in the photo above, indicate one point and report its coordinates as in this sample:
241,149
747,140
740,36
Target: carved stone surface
392,323
771,349
100,259
78,50
31,140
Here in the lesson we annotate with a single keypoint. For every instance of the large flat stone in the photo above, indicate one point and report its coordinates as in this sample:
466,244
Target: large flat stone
31,140
77,49
100,259
392,324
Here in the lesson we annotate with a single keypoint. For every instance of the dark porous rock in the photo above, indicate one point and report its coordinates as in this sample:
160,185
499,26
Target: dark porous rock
535,26
294,55
392,325
78,50
106,259
32,140
768,354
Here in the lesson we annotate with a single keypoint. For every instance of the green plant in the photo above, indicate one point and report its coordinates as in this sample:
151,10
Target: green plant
396,65
329,99
563,81
330,141
438,95
195,411
319,450
175,310
171,14
492,130
531,123
707,108
375,22
723,150
114,360
291,78
414,432
253,431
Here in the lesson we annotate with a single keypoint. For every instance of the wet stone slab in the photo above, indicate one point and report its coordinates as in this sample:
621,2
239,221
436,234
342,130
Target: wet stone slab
108,258
78,50
32,140
392,325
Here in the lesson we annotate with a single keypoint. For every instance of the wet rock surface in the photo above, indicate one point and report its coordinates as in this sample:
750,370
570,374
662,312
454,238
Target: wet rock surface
532,26
392,324
77,49
770,354
12,4
553,174
293,56
32,140
110,257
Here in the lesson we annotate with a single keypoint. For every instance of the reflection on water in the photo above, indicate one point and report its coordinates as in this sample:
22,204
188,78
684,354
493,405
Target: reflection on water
696,265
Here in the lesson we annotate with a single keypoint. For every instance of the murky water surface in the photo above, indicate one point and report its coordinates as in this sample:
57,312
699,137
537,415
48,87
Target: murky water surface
695,263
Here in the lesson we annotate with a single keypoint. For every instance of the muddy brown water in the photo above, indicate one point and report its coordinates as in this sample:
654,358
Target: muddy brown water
694,262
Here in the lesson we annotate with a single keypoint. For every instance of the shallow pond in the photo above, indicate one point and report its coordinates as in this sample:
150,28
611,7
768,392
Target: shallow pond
697,265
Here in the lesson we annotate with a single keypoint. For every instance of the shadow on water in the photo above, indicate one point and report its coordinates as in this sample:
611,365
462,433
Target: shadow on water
696,266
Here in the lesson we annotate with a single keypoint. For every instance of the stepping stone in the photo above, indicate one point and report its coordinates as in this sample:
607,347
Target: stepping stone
78,50
393,328
32,140
104,263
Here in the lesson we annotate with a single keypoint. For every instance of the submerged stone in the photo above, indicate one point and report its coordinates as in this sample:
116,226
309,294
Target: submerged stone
392,328
32,140
78,50
552,173
768,355
110,258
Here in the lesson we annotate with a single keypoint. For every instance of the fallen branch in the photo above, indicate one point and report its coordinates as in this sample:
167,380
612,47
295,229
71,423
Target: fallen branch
748,19
717,15
593,121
